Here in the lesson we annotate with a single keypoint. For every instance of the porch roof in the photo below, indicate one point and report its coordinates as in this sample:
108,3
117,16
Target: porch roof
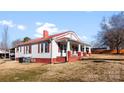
71,40
42,39
37,40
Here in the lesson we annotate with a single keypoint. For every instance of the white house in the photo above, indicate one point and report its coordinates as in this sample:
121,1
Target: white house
61,47
4,53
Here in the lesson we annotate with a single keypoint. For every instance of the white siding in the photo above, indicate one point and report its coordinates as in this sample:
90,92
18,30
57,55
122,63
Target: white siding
35,53
54,51
21,53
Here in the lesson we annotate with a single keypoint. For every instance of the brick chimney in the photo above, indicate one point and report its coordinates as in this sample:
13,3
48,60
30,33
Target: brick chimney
45,34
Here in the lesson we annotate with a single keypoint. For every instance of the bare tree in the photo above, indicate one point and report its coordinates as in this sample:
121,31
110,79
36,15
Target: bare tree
112,33
5,39
16,42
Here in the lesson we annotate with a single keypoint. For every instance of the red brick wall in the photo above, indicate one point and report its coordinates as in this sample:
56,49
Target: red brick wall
61,59
73,59
49,60
41,60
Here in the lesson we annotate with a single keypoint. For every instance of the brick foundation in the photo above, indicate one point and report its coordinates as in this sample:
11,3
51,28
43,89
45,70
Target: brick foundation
68,56
89,54
47,60
41,60
84,54
60,59
17,59
79,55
73,59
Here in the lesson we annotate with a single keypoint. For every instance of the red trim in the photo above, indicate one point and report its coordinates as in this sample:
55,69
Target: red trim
62,36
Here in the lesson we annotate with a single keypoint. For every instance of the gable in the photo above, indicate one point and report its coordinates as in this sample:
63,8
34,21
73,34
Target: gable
70,35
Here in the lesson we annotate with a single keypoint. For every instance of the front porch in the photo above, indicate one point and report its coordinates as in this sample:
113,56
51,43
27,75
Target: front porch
72,50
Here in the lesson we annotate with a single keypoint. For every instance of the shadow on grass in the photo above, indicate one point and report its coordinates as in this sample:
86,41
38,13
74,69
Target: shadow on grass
18,75
100,61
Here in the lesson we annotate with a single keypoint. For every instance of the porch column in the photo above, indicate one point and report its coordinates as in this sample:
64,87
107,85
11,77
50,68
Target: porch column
68,51
68,46
85,52
79,48
53,51
79,51
89,50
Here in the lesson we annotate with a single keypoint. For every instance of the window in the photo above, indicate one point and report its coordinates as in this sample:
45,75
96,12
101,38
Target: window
38,48
41,47
24,49
17,49
64,47
29,48
87,50
20,48
46,47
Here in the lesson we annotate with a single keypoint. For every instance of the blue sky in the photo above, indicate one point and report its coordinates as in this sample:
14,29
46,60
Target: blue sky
31,24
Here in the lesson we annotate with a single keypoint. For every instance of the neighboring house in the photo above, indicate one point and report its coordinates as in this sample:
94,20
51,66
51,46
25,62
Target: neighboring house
4,53
12,53
61,47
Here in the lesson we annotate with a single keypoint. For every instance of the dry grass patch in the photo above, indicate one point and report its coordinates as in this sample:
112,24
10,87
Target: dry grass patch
85,70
